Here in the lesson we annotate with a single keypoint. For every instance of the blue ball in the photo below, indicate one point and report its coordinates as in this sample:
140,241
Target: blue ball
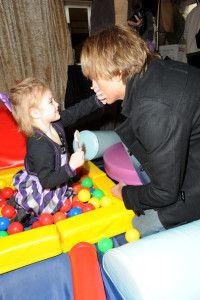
74,212
4,223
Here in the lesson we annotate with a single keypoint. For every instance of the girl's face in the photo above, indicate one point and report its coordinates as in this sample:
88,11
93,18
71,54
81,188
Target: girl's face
49,108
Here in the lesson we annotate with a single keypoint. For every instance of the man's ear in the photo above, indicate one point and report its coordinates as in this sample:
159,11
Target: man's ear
34,113
118,77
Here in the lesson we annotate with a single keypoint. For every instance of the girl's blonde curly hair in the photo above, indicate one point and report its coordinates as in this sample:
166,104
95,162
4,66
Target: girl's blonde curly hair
24,96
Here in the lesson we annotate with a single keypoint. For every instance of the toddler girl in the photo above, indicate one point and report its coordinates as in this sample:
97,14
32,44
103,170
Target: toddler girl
42,183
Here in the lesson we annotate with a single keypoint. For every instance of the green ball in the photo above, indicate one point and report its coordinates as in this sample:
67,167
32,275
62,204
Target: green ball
3,233
98,194
105,244
87,182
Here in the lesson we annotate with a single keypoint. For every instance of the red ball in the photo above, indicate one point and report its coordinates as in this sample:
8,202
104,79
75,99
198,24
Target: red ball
59,216
88,207
83,177
15,227
7,192
36,224
76,187
1,197
78,171
3,203
46,219
8,211
67,205
78,203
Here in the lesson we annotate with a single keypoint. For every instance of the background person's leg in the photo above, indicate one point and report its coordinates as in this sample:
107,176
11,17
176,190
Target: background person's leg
147,224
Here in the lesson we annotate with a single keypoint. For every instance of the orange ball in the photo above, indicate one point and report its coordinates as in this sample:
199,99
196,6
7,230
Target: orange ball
76,187
75,198
59,216
83,177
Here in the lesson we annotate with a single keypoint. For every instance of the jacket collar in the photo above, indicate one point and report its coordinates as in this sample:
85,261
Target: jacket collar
131,88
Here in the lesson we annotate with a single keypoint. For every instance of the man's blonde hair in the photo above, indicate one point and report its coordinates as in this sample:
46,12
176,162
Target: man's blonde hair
114,51
24,96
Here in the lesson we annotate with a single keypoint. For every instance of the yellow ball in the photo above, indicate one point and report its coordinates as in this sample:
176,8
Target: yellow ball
2,184
105,201
132,235
95,202
84,195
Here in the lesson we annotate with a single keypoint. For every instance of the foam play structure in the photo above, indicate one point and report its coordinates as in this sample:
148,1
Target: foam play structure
85,269
35,264
107,144
162,266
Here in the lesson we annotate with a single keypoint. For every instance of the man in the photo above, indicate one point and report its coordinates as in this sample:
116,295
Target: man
161,103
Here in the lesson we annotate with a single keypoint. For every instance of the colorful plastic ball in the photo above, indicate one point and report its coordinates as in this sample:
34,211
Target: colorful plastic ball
67,205
75,211
12,187
95,202
8,211
83,177
75,198
78,171
7,192
86,188
98,194
36,224
2,197
3,203
15,227
105,201
76,187
79,204
132,235
4,223
46,219
105,244
84,195
2,184
59,216
87,182
3,233
88,207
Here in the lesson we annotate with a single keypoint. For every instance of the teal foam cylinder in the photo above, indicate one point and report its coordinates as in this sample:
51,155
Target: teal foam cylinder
94,143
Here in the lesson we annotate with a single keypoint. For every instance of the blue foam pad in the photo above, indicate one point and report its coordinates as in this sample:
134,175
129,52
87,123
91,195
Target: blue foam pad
163,266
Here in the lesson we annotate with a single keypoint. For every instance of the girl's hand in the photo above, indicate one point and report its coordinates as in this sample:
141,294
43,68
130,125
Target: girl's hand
77,159
117,190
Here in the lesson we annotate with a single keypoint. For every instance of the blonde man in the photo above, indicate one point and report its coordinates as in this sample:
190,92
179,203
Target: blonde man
162,127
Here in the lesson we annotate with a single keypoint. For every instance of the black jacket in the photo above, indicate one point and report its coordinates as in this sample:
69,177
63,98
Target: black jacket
162,130
43,156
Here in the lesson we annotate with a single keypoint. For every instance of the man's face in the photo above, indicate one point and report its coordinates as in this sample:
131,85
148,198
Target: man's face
113,89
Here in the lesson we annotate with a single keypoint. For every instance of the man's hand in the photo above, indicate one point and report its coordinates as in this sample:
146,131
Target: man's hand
117,190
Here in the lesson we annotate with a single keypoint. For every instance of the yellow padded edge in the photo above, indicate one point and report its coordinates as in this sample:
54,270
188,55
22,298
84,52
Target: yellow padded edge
7,174
102,222
28,247
91,170
92,226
